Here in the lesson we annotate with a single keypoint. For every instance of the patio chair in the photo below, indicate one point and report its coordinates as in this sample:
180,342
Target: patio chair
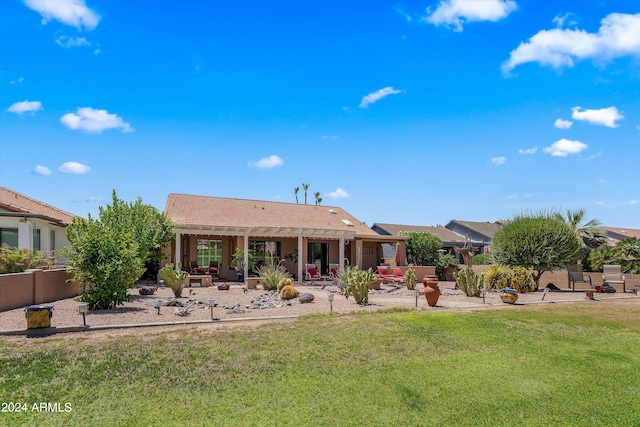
577,276
311,272
213,268
383,272
612,275
397,273
195,269
334,270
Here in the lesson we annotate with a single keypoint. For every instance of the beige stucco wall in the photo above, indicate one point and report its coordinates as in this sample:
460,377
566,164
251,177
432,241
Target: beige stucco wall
35,287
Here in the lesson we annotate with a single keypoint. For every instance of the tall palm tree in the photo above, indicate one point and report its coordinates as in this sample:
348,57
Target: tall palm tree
591,232
318,198
305,187
295,191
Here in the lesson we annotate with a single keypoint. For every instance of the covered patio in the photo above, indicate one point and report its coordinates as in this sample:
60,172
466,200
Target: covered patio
212,229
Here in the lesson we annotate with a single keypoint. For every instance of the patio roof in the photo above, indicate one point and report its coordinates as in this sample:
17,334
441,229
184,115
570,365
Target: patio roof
226,216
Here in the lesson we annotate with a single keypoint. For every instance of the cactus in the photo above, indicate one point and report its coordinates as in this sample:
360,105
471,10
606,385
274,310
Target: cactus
288,292
469,282
284,282
356,283
410,279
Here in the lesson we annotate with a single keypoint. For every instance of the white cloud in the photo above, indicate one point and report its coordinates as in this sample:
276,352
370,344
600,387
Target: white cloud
25,106
560,20
619,35
526,151
42,170
638,127
95,121
19,80
634,202
329,137
453,13
338,194
378,95
498,161
563,124
66,41
70,12
604,116
74,167
268,162
563,147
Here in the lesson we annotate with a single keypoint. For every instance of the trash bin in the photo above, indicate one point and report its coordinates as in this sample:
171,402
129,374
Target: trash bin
38,316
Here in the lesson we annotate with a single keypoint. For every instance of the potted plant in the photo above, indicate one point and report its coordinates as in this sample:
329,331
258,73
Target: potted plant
174,278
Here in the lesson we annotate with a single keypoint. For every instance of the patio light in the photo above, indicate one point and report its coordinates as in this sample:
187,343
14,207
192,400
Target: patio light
483,291
158,305
83,308
416,293
211,300
330,297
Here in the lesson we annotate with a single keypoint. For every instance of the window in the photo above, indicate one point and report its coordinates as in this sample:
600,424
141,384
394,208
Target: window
208,251
367,250
264,252
9,237
36,239
52,240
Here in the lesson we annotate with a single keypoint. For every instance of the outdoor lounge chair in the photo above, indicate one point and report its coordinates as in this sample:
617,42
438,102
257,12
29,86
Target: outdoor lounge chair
311,272
195,269
397,273
577,276
213,268
334,270
383,272
612,275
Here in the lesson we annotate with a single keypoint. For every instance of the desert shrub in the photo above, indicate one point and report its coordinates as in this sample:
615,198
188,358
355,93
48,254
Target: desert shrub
522,280
422,247
497,276
469,281
480,259
410,279
271,275
356,283
443,263
288,292
284,282
174,278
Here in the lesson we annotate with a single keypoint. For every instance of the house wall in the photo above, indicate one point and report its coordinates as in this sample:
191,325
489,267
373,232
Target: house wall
25,234
35,287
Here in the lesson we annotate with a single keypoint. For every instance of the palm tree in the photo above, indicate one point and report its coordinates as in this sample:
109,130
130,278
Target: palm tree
591,233
295,191
318,198
305,187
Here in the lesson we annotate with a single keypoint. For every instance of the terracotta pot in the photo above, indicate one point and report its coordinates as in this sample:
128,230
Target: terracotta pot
431,290
508,295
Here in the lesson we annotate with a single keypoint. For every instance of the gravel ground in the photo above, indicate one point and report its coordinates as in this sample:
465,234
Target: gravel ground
141,309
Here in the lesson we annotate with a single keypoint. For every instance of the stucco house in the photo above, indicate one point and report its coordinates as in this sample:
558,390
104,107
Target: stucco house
616,234
450,240
30,224
479,234
209,229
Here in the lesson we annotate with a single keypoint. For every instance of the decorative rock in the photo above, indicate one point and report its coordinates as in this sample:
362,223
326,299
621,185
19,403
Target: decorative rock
147,290
306,298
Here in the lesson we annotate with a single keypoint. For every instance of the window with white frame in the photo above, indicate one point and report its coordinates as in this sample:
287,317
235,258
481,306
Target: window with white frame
8,237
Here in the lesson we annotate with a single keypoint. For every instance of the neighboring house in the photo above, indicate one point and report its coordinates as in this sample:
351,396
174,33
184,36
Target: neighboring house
209,229
479,234
615,235
450,240
30,224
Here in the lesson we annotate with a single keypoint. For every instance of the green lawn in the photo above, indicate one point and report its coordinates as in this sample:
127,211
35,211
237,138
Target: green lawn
555,365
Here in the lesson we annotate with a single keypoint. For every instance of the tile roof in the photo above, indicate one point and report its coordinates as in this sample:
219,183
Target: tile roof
621,233
444,234
11,201
189,211
485,228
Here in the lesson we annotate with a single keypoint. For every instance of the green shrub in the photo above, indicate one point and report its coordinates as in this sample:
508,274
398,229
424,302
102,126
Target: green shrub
288,292
284,282
410,279
469,281
480,259
271,275
497,276
356,283
18,260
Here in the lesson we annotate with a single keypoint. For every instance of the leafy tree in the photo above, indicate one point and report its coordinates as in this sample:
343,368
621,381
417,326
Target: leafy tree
108,254
422,248
539,241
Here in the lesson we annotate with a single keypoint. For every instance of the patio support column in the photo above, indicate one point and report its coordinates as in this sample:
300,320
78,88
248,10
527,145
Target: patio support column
300,259
246,257
178,254
359,253
341,252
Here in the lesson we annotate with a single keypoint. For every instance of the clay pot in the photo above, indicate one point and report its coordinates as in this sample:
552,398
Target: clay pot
431,290
508,295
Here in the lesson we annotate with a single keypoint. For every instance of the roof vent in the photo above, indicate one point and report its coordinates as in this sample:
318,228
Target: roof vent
333,211
349,223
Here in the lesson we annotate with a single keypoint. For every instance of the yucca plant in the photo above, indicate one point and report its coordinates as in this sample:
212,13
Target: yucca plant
497,276
469,282
174,278
271,275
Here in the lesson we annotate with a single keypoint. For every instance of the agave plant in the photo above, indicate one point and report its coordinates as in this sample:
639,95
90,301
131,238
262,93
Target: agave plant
497,276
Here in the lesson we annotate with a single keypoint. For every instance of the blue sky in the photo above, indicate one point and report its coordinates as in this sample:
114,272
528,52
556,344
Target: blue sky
412,112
